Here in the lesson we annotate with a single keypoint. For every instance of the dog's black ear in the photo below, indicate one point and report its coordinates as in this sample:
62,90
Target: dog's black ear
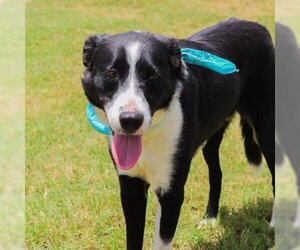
175,53
173,48
89,48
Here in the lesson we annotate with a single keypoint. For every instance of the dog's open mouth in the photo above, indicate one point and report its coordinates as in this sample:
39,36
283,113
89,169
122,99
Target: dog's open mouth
126,150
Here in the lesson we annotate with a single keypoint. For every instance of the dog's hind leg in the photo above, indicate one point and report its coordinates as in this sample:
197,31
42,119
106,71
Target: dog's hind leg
134,201
264,129
211,156
265,135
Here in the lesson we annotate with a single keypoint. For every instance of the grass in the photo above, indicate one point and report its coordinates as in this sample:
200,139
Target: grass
12,127
72,193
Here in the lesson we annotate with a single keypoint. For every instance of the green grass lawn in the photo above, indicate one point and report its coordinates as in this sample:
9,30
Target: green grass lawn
12,127
72,193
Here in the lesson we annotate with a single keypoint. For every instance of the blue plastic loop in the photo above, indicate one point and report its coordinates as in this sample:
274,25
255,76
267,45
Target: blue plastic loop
208,60
95,121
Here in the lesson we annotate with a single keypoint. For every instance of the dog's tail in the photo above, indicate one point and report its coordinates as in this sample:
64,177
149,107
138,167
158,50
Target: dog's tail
252,148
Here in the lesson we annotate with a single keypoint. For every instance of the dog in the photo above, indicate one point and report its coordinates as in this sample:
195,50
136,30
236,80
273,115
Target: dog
287,102
161,110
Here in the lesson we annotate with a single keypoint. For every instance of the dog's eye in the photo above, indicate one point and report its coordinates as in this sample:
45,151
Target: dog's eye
155,76
112,73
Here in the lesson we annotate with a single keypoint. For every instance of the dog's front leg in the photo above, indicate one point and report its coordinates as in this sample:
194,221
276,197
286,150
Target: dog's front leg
166,218
134,201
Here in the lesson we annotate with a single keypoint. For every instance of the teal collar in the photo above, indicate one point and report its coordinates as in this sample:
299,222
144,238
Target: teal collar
191,56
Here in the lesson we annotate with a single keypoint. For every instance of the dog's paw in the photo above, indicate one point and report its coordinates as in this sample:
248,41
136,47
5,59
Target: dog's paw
207,222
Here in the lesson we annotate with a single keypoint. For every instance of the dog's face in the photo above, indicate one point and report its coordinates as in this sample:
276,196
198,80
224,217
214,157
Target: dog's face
130,76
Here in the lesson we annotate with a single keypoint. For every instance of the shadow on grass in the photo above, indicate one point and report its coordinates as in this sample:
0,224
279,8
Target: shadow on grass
287,236
245,228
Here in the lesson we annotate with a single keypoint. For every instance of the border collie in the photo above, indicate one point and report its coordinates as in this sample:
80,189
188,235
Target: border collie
161,110
287,102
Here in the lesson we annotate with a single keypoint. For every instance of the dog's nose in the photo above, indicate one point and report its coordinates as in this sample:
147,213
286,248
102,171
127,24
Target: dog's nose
131,121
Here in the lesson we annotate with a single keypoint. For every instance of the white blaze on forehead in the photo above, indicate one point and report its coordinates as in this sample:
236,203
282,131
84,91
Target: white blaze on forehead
129,98
133,53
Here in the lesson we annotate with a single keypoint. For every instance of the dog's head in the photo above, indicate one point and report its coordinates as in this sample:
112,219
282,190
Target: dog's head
130,76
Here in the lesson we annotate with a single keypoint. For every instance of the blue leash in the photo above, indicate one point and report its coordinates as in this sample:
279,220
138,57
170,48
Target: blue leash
191,56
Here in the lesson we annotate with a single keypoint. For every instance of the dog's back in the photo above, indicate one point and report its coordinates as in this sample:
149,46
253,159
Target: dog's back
249,45
239,40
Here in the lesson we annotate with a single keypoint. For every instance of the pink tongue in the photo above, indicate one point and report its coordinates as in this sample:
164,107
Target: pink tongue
126,150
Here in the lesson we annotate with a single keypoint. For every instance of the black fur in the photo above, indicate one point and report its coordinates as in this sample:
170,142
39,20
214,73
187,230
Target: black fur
208,102
252,149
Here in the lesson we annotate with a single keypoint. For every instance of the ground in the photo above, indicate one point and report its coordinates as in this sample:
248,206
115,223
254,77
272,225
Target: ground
72,193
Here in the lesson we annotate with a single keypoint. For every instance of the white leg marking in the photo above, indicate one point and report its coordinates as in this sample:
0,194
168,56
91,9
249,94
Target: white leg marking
297,218
207,221
158,242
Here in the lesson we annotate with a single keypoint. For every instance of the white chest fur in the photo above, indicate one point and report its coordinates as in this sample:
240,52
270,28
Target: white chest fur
155,165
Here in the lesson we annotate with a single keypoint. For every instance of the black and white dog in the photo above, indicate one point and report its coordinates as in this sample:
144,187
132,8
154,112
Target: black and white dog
161,110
